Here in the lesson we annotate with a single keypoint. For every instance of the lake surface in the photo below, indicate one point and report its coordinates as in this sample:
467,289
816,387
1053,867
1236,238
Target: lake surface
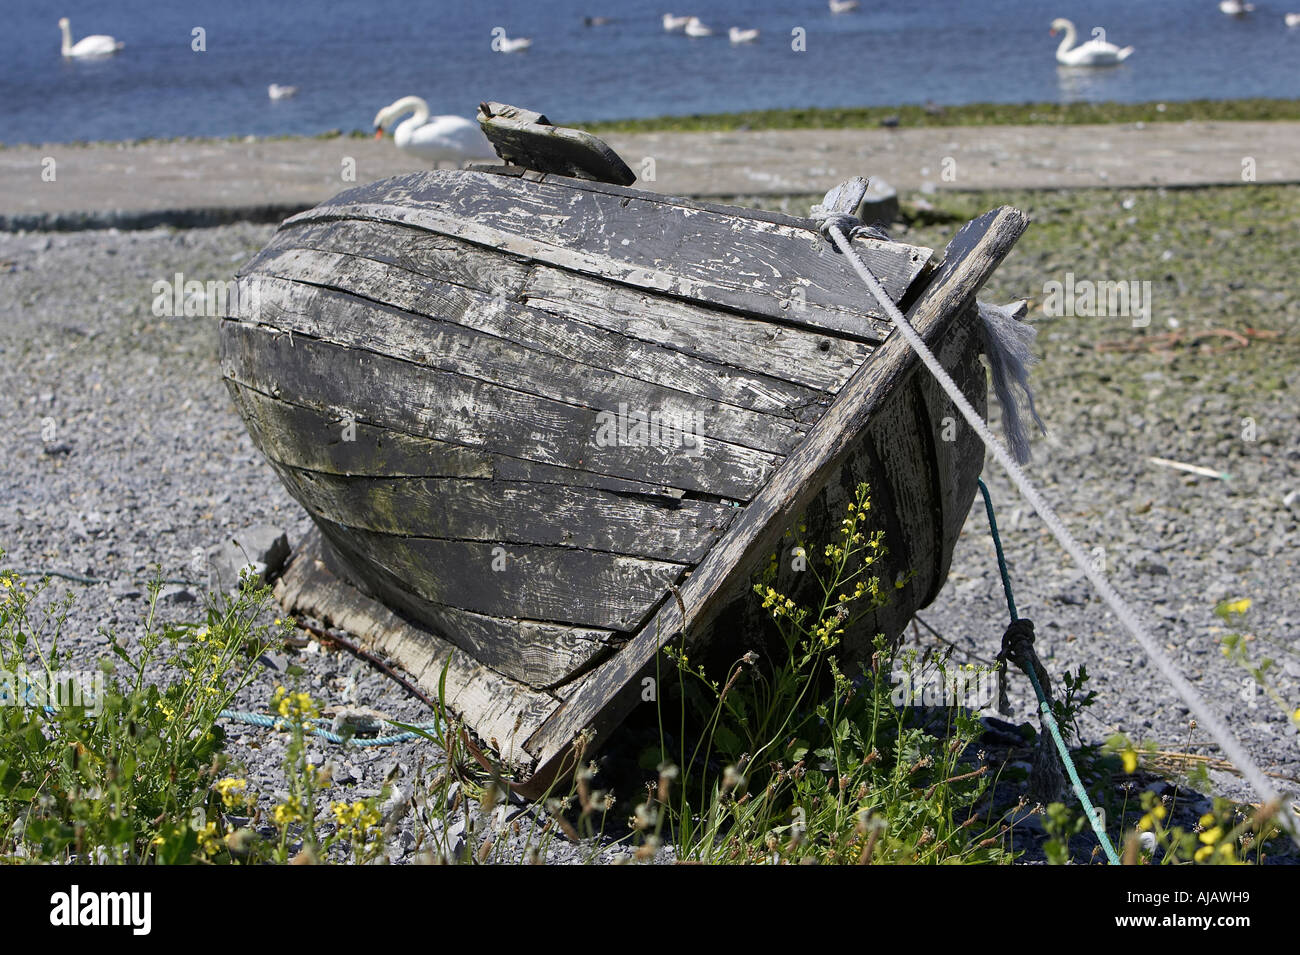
351,57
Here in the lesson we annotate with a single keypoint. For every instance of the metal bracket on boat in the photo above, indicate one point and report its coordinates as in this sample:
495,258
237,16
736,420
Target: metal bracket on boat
527,139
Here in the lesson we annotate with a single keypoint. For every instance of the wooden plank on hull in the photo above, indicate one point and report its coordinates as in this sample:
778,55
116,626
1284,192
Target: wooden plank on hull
513,512
558,584
313,440
459,410
339,318
549,333
810,358
539,653
903,452
958,453
418,251
747,264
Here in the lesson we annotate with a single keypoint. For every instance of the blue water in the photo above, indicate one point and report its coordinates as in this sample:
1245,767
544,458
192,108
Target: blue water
351,57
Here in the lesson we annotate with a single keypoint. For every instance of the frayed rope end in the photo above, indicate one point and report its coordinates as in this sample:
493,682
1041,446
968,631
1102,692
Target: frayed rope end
1008,345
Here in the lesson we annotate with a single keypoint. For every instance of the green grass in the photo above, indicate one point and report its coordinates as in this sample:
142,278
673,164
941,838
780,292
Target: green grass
971,114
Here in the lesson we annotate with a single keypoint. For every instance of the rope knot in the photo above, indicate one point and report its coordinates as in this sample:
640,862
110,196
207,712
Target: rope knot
836,211
1018,644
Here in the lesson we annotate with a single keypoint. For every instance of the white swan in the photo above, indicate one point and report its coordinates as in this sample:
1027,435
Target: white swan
1093,53
1235,8
276,91
98,45
695,28
434,139
1292,19
843,6
675,24
738,35
507,45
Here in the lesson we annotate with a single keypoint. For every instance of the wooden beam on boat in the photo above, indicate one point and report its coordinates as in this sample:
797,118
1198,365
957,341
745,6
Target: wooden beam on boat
968,262
563,585
526,137
314,440
362,325
550,334
513,512
460,410
538,653
753,266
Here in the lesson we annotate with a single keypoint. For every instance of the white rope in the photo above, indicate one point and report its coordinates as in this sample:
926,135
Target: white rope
1205,714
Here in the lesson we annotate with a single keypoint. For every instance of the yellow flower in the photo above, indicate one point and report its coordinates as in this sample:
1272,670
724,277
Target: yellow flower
1147,822
1238,606
288,811
1130,760
299,705
361,816
1203,853
1211,836
234,792
209,842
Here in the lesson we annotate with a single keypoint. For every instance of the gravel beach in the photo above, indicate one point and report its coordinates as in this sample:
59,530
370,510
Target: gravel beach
123,454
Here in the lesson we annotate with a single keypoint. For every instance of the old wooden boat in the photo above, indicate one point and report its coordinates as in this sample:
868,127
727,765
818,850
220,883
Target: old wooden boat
546,422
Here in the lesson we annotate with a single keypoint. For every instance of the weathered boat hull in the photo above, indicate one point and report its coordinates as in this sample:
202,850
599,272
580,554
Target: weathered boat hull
539,417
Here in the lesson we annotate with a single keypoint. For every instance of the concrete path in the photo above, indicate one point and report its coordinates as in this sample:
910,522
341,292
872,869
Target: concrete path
213,182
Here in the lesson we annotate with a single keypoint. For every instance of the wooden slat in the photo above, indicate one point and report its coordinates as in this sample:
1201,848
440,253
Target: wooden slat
318,441
443,258
513,512
810,358
538,653
339,318
903,455
754,266
556,584
443,296
449,407
968,262
957,462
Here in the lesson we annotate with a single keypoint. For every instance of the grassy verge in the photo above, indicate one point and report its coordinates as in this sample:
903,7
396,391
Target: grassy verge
970,114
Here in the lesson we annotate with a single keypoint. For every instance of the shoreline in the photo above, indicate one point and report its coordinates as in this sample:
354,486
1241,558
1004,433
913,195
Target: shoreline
192,184
908,115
